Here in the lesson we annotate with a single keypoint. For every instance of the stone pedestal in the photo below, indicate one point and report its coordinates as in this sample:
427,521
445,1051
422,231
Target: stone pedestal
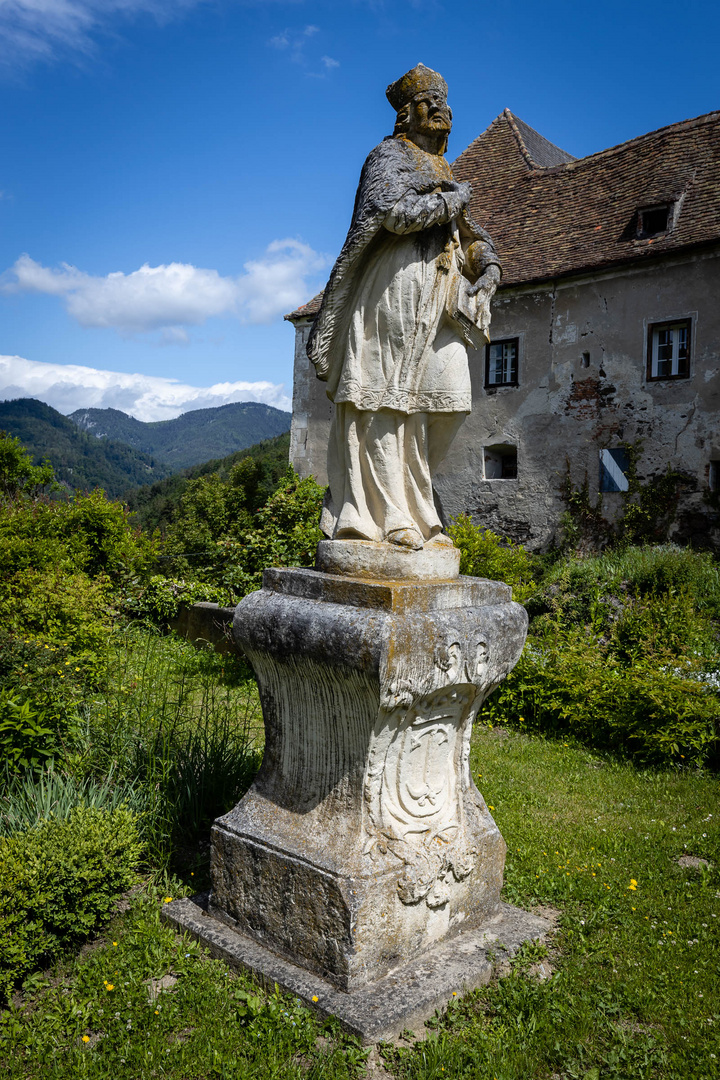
364,840
363,859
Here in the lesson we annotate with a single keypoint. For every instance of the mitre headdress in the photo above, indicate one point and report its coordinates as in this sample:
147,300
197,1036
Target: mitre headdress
414,82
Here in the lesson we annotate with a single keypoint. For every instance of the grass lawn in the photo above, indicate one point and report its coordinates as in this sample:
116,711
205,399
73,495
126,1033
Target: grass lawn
634,992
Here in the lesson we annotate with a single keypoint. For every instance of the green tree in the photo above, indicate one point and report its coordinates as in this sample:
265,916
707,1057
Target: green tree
18,475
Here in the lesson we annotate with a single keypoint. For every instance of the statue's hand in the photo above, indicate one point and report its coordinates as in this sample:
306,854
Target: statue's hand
461,188
486,285
464,190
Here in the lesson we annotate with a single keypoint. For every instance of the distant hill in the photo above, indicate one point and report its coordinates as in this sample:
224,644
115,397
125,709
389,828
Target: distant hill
192,438
156,504
79,460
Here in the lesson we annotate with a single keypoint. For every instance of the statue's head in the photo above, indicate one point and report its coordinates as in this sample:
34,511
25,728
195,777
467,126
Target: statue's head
420,100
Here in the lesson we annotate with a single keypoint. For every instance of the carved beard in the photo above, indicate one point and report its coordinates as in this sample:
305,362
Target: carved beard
434,127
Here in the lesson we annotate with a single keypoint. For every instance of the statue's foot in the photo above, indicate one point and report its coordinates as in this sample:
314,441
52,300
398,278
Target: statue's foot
441,540
408,538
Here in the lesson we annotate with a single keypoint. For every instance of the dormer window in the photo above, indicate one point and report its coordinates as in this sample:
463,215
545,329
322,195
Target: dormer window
654,220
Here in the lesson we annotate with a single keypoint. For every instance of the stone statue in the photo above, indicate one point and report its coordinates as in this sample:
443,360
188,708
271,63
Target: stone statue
362,870
408,295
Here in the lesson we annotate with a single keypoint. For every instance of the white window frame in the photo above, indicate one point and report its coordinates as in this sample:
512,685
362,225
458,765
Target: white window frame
672,327
507,362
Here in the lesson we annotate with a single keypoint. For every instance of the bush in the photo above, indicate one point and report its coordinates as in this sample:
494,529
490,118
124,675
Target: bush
217,540
623,654
566,684
42,686
58,882
87,533
578,585
26,741
161,599
485,554
54,605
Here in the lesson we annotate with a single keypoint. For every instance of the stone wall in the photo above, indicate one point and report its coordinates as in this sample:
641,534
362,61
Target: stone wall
207,623
582,387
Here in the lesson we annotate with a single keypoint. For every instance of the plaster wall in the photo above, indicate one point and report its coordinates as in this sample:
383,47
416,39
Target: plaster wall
567,407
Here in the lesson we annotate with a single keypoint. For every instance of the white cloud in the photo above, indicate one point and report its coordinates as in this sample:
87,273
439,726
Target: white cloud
294,41
177,295
280,41
45,29
147,397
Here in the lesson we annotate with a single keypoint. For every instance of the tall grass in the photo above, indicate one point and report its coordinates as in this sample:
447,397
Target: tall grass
179,725
31,798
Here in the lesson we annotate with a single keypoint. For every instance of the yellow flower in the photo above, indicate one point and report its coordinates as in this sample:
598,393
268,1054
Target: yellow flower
109,986
86,1038
633,884
167,900
157,1013
490,807
315,997
115,944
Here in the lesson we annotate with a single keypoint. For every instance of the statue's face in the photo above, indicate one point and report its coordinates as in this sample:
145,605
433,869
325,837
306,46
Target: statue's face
430,114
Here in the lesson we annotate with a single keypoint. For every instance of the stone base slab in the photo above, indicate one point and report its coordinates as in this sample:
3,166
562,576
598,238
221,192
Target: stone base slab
403,999
383,561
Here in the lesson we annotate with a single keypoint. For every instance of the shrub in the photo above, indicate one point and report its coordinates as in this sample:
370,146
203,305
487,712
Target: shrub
161,598
286,532
59,606
58,882
623,654
485,554
26,741
566,684
42,685
218,540
578,585
87,533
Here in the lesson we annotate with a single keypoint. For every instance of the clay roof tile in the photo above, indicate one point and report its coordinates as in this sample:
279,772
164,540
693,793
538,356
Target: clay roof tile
550,214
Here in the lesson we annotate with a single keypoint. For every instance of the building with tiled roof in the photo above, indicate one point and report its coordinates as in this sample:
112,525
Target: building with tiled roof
606,333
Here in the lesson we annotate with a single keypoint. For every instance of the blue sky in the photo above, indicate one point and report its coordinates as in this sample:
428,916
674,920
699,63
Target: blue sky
176,174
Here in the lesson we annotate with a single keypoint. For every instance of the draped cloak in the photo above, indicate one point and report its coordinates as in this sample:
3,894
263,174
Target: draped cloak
395,365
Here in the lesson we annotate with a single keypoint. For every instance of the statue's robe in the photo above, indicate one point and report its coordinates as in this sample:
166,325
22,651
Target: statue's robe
395,364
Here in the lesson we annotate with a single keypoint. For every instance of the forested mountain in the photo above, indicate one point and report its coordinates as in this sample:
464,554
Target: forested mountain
192,438
156,504
79,460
